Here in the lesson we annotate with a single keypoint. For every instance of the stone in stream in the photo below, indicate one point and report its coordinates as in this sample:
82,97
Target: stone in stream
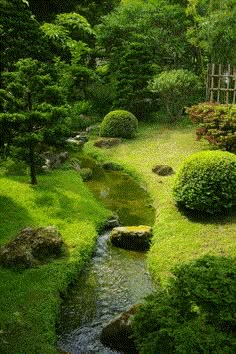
117,334
135,238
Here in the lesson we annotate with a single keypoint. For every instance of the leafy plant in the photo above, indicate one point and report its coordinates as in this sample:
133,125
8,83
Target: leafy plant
216,123
176,88
194,313
206,181
119,123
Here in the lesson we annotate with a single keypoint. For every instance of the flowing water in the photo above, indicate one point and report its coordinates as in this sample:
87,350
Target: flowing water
115,279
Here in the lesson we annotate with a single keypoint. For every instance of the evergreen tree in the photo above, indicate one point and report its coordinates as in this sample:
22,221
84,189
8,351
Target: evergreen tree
35,114
21,36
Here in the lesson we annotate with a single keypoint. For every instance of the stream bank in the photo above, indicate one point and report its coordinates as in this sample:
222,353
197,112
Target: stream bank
115,279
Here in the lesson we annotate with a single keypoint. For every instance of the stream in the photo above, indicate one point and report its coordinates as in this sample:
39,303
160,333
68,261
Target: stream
115,279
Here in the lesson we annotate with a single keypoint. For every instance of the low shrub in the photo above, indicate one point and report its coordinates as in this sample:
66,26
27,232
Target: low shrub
217,124
176,89
207,181
119,123
194,313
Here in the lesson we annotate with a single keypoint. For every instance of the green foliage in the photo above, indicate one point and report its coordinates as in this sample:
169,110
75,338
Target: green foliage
207,181
41,116
141,39
21,36
176,88
119,123
194,313
213,29
216,123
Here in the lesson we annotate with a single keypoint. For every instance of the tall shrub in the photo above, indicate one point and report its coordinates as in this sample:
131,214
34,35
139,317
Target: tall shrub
177,89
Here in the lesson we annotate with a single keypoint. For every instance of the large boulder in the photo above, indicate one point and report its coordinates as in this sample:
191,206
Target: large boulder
31,246
117,334
136,238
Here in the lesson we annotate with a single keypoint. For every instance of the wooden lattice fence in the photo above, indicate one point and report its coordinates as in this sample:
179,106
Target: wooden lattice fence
221,83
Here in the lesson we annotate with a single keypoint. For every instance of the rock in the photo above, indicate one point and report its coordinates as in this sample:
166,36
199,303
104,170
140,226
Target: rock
107,142
30,246
54,160
136,238
112,222
111,166
117,333
163,170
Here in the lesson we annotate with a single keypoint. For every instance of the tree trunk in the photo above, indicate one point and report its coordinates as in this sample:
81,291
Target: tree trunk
33,176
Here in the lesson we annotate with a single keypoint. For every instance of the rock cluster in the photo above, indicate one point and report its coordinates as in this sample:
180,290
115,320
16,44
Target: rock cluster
32,246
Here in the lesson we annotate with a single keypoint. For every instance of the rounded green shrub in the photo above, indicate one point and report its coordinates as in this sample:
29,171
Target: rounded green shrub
119,123
207,181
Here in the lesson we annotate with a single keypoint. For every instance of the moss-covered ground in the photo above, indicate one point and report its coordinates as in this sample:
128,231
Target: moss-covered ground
30,299
178,237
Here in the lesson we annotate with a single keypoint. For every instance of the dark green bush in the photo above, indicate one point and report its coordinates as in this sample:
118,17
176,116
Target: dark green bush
119,123
207,181
194,313
216,123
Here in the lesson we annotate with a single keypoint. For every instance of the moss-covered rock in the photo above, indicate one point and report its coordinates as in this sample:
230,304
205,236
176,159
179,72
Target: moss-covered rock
136,238
31,246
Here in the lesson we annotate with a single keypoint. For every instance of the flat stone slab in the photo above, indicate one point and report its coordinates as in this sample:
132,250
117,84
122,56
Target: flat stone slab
135,238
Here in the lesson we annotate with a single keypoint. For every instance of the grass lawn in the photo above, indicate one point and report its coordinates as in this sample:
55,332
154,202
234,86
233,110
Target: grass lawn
30,300
177,236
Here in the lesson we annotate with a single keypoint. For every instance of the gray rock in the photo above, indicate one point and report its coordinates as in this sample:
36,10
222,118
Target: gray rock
136,238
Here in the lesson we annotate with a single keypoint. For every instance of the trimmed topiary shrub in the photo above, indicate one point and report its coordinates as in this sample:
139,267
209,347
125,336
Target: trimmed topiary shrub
119,123
207,181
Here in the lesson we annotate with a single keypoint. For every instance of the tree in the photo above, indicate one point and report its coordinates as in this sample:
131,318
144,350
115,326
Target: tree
194,313
46,10
213,29
139,39
177,89
35,114
21,36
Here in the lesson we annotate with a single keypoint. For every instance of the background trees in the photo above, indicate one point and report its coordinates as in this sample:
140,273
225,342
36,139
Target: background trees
138,40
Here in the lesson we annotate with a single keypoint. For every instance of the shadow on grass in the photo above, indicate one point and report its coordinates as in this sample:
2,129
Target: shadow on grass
226,216
13,218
